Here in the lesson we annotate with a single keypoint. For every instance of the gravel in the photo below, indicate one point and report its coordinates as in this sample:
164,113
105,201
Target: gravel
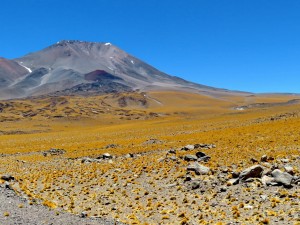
12,214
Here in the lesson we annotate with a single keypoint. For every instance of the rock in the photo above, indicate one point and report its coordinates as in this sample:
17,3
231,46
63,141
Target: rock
152,141
264,158
235,174
129,155
89,160
285,160
172,151
54,151
83,215
251,172
266,164
233,182
190,158
253,160
187,178
107,156
223,189
200,154
204,159
173,158
7,177
198,168
264,197
266,181
248,207
267,172
188,147
289,169
205,146
195,184
283,178
111,146
7,185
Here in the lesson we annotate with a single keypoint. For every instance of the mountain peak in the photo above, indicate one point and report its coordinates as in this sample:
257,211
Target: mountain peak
71,42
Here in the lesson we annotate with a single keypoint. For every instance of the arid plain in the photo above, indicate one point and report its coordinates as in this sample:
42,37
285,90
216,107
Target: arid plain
123,156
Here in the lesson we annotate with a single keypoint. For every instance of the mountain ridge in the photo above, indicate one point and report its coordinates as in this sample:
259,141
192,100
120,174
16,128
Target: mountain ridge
67,63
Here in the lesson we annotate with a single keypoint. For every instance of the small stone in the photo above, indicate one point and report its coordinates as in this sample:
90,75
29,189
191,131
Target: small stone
235,174
173,158
263,197
129,155
253,160
194,184
266,181
83,215
198,168
107,156
7,185
289,169
200,154
248,207
190,158
232,182
204,159
172,151
264,158
223,189
266,164
285,160
188,147
187,178
251,172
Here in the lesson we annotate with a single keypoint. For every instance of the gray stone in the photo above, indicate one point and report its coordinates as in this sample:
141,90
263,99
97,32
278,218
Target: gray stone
251,172
198,168
285,160
266,181
190,158
83,215
289,169
173,158
129,155
283,178
264,197
195,184
188,147
204,159
233,181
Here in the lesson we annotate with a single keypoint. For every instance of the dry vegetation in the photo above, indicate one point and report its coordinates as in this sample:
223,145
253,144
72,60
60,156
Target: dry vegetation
149,185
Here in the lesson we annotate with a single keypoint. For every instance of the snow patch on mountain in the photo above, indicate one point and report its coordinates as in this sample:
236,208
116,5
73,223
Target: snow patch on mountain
29,70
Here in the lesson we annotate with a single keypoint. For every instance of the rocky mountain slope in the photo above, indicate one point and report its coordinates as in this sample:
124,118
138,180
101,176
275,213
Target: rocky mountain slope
67,64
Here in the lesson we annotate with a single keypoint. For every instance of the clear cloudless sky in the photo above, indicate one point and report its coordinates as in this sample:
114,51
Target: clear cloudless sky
249,45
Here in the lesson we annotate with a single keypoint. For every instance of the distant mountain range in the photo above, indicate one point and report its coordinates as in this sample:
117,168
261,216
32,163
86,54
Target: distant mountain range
70,67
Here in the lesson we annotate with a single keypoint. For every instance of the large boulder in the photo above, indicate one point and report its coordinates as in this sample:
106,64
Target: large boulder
251,172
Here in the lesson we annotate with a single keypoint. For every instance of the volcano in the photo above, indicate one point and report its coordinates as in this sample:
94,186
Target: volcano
68,64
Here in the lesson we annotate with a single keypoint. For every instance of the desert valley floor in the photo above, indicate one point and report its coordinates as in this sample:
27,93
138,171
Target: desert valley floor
155,158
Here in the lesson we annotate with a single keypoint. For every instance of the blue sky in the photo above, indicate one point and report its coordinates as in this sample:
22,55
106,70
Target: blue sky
235,44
